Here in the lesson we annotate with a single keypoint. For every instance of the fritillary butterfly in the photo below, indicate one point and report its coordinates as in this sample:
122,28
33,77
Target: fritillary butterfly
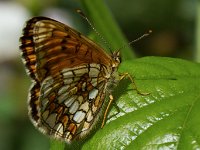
71,77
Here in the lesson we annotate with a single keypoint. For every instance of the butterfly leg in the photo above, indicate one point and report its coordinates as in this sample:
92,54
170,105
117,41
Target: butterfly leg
117,109
127,75
124,75
107,109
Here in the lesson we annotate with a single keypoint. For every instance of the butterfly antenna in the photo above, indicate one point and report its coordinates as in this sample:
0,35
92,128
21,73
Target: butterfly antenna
92,26
139,38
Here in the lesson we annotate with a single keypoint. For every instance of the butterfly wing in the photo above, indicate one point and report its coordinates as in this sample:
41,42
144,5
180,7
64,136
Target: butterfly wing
70,104
68,71
48,46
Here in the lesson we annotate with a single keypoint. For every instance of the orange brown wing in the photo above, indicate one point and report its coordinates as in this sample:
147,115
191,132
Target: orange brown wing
66,67
48,46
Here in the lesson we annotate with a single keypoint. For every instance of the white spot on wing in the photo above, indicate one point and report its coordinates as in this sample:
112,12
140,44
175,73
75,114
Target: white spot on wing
67,73
47,82
46,92
63,97
93,93
47,86
59,129
63,89
69,101
74,107
79,116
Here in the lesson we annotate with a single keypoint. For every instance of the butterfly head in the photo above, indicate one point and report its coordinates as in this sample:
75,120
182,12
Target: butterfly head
116,59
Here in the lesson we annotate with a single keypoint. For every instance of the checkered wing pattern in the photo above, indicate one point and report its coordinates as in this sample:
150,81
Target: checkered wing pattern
70,75
70,104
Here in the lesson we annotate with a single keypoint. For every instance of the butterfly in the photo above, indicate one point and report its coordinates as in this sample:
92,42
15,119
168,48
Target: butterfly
71,77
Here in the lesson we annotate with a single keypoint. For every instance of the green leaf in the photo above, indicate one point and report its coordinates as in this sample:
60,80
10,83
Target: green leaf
167,118
56,145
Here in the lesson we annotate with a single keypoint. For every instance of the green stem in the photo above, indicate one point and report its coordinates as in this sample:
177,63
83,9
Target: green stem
107,26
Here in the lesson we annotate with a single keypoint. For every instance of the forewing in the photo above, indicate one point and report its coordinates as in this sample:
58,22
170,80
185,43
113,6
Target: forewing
48,46
69,105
